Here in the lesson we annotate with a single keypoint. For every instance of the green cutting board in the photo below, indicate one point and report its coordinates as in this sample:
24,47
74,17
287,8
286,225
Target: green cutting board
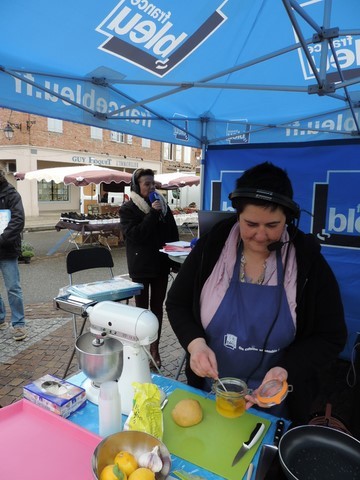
214,442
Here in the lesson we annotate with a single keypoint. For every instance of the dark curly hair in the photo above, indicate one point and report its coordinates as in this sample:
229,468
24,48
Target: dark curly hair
265,176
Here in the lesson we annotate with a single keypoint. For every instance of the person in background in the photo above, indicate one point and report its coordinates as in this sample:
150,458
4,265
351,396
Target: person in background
104,198
10,249
256,300
147,223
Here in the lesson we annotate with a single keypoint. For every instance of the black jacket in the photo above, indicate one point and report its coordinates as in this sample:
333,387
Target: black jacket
145,234
320,325
10,239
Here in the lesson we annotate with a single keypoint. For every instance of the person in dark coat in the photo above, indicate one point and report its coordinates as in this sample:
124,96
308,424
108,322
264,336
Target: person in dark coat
147,225
13,219
256,299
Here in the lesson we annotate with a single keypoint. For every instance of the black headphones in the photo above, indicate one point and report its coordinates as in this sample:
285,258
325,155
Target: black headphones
134,185
268,196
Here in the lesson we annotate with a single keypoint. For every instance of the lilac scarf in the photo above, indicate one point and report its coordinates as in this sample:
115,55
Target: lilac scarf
218,282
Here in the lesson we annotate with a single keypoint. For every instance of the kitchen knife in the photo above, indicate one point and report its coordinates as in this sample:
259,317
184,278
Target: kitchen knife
253,439
268,452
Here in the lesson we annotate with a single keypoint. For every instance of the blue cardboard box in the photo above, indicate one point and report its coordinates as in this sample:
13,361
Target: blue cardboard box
58,396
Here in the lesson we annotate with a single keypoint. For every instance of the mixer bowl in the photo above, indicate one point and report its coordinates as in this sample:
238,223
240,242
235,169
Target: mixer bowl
99,363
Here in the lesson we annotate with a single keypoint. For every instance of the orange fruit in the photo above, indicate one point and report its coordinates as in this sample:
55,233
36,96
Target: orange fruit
142,473
112,472
126,462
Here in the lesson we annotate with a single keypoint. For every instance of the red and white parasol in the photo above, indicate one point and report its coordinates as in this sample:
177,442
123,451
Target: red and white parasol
170,181
79,175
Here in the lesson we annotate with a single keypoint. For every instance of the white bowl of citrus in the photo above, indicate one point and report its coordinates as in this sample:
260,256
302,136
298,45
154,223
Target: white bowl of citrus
131,455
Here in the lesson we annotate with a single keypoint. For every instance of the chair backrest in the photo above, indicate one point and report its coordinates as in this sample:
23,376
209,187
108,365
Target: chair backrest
87,258
208,218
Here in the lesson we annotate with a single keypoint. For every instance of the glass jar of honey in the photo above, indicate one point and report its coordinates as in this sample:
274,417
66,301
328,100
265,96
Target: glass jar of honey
230,397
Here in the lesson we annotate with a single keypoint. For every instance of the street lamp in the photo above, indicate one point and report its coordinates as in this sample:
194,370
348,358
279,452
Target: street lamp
9,131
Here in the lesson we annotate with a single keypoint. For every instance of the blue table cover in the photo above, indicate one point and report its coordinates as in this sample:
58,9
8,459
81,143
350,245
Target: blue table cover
88,417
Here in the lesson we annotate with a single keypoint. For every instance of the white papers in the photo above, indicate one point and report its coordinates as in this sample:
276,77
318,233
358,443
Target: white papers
180,243
175,254
5,216
176,249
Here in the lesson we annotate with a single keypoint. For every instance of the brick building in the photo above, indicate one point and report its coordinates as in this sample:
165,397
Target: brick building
39,142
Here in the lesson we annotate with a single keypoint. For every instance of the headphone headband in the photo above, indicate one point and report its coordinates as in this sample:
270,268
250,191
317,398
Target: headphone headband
268,196
134,185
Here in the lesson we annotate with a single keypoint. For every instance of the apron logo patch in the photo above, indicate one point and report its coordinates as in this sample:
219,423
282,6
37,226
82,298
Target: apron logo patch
230,341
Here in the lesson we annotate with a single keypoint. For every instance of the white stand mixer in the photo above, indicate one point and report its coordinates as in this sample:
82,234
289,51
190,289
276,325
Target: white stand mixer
135,328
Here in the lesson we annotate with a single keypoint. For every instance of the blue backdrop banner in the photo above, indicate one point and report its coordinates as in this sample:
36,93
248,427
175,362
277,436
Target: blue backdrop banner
326,180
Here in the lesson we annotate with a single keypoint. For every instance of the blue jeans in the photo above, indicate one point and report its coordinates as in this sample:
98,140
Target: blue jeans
10,272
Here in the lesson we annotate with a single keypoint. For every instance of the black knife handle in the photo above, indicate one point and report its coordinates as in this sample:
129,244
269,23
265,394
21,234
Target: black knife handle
280,424
253,433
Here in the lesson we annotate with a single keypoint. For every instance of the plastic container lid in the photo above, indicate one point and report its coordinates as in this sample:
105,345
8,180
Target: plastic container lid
273,392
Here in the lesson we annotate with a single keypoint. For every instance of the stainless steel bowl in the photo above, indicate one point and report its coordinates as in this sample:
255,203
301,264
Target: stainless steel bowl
134,442
99,363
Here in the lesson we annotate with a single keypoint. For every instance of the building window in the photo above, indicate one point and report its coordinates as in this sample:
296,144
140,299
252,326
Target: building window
167,151
130,139
178,153
52,192
96,133
55,125
145,142
187,154
118,137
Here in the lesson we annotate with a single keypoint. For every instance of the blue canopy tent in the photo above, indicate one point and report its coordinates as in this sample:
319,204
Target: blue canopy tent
195,73
215,74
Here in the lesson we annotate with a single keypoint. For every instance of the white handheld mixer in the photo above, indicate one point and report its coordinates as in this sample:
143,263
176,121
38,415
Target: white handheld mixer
135,328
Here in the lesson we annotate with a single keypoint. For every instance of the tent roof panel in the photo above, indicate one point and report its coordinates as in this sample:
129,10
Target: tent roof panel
151,70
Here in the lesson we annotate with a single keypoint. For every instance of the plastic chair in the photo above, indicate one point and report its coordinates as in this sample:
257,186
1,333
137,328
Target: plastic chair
180,366
86,259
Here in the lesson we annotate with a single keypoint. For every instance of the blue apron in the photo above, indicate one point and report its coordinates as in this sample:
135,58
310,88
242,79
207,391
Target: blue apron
251,327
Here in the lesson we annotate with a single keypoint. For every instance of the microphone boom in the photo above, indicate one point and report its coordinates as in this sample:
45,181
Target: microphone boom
272,247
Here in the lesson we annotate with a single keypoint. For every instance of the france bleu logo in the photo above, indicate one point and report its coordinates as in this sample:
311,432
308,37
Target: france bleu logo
336,220
148,36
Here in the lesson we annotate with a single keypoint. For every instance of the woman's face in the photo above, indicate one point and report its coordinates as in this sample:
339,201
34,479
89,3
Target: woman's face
260,226
147,185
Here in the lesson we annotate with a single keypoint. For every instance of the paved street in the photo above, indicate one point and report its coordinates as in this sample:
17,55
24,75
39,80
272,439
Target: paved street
49,344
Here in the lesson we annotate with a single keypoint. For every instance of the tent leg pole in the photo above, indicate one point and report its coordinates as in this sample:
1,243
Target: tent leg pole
202,161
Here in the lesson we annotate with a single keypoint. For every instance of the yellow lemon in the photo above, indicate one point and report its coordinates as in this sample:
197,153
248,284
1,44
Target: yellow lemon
126,462
112,472
142,474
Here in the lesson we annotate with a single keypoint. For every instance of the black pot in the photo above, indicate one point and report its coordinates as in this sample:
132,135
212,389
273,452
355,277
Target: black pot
313,452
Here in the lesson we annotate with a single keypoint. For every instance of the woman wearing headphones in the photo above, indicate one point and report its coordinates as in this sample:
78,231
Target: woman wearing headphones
256,300
147,224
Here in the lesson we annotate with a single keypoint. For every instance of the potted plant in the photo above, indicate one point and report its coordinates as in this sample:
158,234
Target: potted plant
27,251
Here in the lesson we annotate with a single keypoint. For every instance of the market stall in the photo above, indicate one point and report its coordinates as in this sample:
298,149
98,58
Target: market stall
100,232
186,219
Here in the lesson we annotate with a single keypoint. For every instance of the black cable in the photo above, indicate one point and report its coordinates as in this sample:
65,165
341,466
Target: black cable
266,338
289,243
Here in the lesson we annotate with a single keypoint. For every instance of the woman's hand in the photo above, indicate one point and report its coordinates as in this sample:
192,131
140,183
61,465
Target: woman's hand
276,373
156,205
202,359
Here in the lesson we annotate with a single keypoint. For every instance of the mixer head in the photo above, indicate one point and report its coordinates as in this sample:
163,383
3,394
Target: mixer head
130,325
